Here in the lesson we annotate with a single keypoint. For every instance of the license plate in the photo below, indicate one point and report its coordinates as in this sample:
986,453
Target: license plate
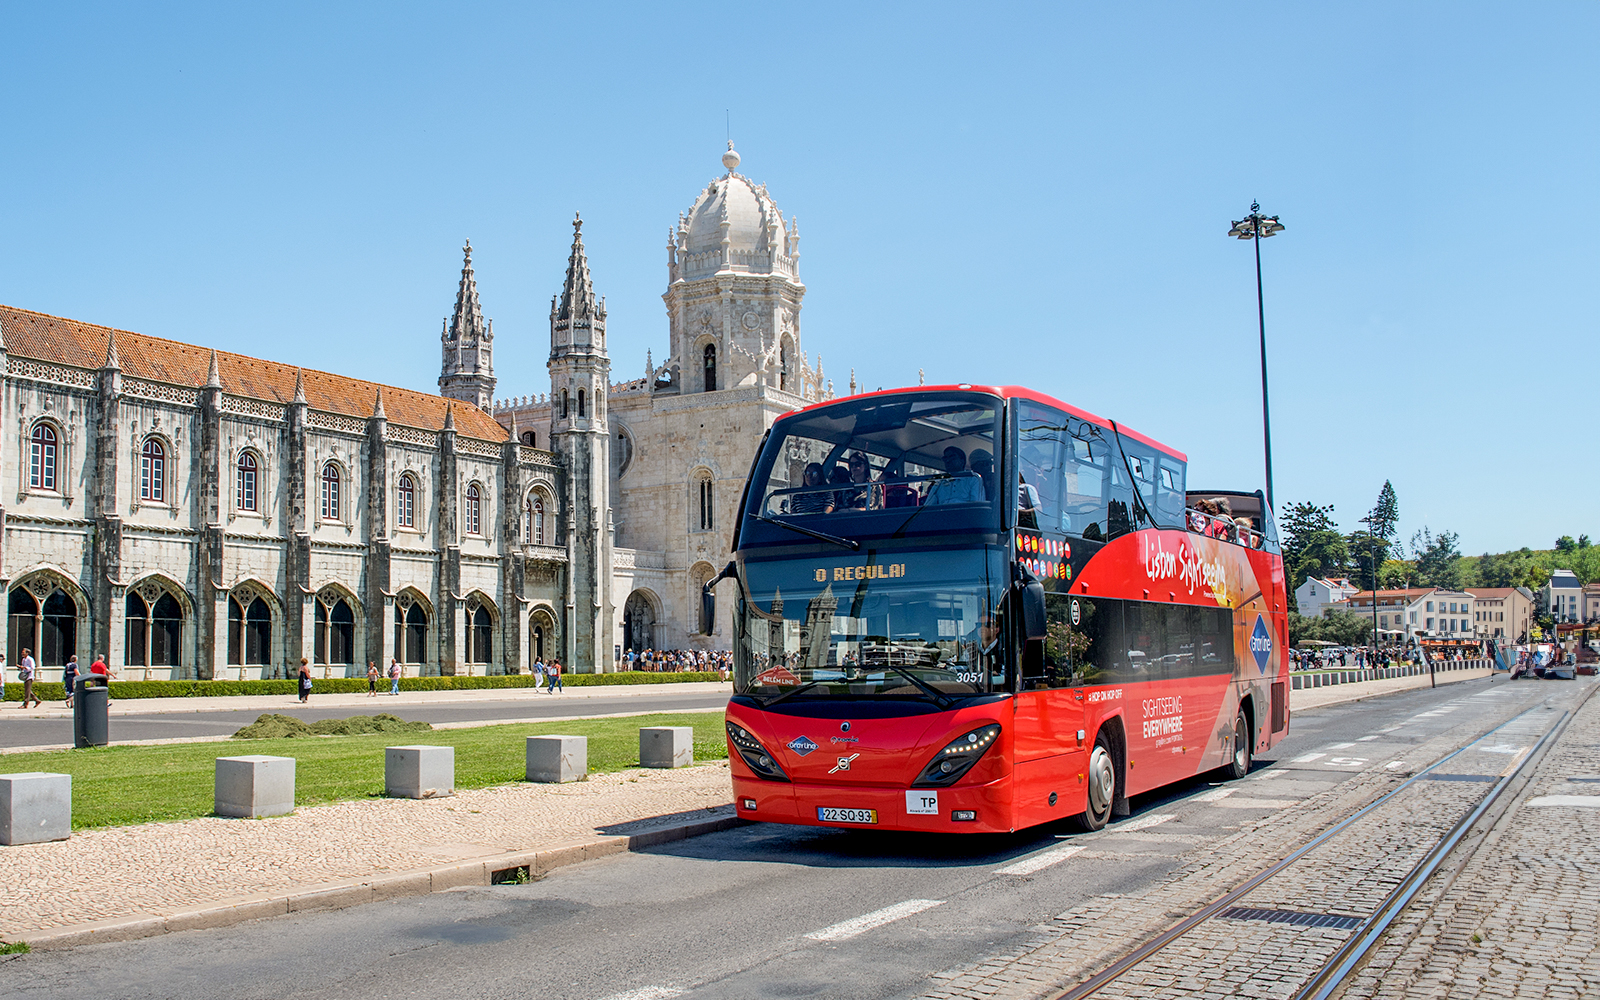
828,814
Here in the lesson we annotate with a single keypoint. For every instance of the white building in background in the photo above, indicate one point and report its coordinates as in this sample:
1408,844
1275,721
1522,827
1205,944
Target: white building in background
1563,596
1423,612
1319,595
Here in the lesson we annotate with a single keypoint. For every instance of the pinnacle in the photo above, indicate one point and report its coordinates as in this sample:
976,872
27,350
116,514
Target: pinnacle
299,386
111,352
577,292
466,323
377,406
214,374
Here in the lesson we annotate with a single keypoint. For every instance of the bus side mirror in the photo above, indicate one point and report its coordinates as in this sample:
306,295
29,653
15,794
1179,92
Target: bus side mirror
708,599
1033,617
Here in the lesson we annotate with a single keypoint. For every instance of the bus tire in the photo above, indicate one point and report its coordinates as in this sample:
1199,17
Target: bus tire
1101,790
1239,761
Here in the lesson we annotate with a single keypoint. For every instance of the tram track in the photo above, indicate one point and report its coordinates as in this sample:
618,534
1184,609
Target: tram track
1336,971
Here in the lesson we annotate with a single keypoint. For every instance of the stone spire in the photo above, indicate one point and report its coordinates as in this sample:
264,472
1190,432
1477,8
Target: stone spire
449,417
467,342
111,352
577,300
377,406
214,374
299,386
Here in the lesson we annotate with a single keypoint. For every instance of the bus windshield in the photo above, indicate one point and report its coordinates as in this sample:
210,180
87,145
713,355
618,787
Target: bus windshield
869,467
907,625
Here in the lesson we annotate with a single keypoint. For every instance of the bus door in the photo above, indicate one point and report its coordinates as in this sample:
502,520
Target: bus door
1049,738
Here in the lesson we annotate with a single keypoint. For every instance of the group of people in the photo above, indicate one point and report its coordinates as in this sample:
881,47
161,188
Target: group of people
1214,518
662,660
28,672
851,486
1361,657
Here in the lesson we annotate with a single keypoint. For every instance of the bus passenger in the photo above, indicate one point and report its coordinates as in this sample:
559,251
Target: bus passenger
859,498
960,485
896,491
983,464
812,499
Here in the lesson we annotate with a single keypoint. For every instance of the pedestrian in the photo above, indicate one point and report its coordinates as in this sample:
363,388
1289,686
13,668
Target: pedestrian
305,680
25,673
69,676
555,677
2,677
394,676
539,674
372,679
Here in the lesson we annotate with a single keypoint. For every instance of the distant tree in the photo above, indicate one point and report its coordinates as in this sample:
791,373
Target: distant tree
1510,569
1386,514
1438,559
1366,550
1312,545
1566,544
1395,574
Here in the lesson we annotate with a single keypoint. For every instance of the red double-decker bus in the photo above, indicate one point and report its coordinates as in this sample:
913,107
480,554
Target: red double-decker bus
971,608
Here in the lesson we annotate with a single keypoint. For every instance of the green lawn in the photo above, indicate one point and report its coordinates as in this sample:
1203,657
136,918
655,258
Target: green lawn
114,786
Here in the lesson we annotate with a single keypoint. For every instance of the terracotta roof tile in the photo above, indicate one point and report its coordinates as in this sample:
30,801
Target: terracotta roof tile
53,339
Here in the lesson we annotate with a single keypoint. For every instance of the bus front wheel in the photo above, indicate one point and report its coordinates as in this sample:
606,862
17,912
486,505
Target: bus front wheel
1239,762
1102,790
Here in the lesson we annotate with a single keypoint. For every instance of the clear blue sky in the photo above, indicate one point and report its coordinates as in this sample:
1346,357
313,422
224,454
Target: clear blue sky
993,193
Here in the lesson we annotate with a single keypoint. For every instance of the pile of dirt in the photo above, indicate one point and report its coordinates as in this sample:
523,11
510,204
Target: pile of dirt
272,727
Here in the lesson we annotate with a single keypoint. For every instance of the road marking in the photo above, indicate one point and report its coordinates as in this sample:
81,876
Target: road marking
1276,772
1338,746
1366,738
1392,729
649,993
1215,795
1259,803
1394,764
1502,748
846,929
1044,859
1308,758
1580,801
1142,823
1346,761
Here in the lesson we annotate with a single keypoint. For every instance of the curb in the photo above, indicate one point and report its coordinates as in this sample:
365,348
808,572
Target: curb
356,892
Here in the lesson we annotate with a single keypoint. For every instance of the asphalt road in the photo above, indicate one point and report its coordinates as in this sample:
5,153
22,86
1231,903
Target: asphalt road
24,732
758,911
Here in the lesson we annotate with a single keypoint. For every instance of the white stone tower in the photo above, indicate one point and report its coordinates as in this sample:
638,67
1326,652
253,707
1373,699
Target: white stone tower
580,376
468,345
733,290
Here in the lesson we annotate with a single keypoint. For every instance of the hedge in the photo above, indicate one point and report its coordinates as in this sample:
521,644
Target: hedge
353,685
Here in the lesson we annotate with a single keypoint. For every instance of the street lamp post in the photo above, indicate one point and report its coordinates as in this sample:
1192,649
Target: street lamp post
1257,227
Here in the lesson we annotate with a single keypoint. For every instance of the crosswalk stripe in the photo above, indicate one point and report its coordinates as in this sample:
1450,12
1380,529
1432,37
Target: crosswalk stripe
1027,866
846,929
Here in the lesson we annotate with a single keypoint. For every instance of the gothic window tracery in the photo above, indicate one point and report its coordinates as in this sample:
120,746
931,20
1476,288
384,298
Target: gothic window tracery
331,483
154,630
533,519
44,618
334,629
42,457
246,493
410,630
405,502
249,629
474,510
705,502
152,472
480,632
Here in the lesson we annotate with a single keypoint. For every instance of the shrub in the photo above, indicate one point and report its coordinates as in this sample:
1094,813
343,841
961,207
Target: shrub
353,685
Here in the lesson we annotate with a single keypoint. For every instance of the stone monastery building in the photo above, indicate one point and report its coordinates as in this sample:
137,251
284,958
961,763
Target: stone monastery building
193,513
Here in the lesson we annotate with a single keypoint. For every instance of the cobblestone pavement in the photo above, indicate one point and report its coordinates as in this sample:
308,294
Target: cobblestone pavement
1347,875
158,868
1520,916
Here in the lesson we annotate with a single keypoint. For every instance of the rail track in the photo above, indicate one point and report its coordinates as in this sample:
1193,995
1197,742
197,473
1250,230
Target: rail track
1366,931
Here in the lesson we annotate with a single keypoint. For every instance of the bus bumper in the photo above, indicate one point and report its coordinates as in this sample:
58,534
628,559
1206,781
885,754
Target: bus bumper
802,804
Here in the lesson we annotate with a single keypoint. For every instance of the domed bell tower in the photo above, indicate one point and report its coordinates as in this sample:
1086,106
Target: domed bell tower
580,375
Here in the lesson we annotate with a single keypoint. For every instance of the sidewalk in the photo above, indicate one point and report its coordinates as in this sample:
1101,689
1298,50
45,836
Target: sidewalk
119,883
384,702
1305,699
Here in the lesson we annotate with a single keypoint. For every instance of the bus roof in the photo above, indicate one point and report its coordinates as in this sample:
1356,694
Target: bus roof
1007,392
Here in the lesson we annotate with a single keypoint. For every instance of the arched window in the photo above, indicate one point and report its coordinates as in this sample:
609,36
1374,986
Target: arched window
249,632
330,493
49,629
530,439
152,470
474,510
42,458
783,364
564,398
711,367
247,481
533,519
410,632
480,637
706,496
405,502
335,633
581,411
154,631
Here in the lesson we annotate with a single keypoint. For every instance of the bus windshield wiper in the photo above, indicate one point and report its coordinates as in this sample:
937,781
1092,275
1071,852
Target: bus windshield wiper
849,543
790,694
939,697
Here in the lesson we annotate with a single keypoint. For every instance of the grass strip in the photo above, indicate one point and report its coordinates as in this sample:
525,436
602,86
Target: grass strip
55,691
118,786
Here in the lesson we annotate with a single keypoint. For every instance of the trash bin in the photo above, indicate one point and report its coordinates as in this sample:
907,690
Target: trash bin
89,700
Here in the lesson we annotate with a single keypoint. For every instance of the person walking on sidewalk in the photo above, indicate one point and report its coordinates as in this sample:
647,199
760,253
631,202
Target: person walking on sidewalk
555,677
394,676
25,674
539,674
69,676
305,680
372,679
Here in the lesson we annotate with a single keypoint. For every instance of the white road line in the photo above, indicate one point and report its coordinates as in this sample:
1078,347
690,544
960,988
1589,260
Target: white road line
1274,773
1142,823
1308,758
1044,859
649,993
1392,729
1577,801
1260,803
1366,738
1338,746
846,929
1216,794
1394,764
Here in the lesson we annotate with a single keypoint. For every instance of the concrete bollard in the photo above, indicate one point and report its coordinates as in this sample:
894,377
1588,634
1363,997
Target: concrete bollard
666,746
419,772
35,808
256,785
558,758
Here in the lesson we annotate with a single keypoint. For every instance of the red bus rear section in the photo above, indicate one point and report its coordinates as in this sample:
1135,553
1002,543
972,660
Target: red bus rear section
1033,630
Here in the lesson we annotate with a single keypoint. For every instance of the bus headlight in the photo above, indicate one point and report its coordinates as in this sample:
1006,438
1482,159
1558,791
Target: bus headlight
754,754
957,757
